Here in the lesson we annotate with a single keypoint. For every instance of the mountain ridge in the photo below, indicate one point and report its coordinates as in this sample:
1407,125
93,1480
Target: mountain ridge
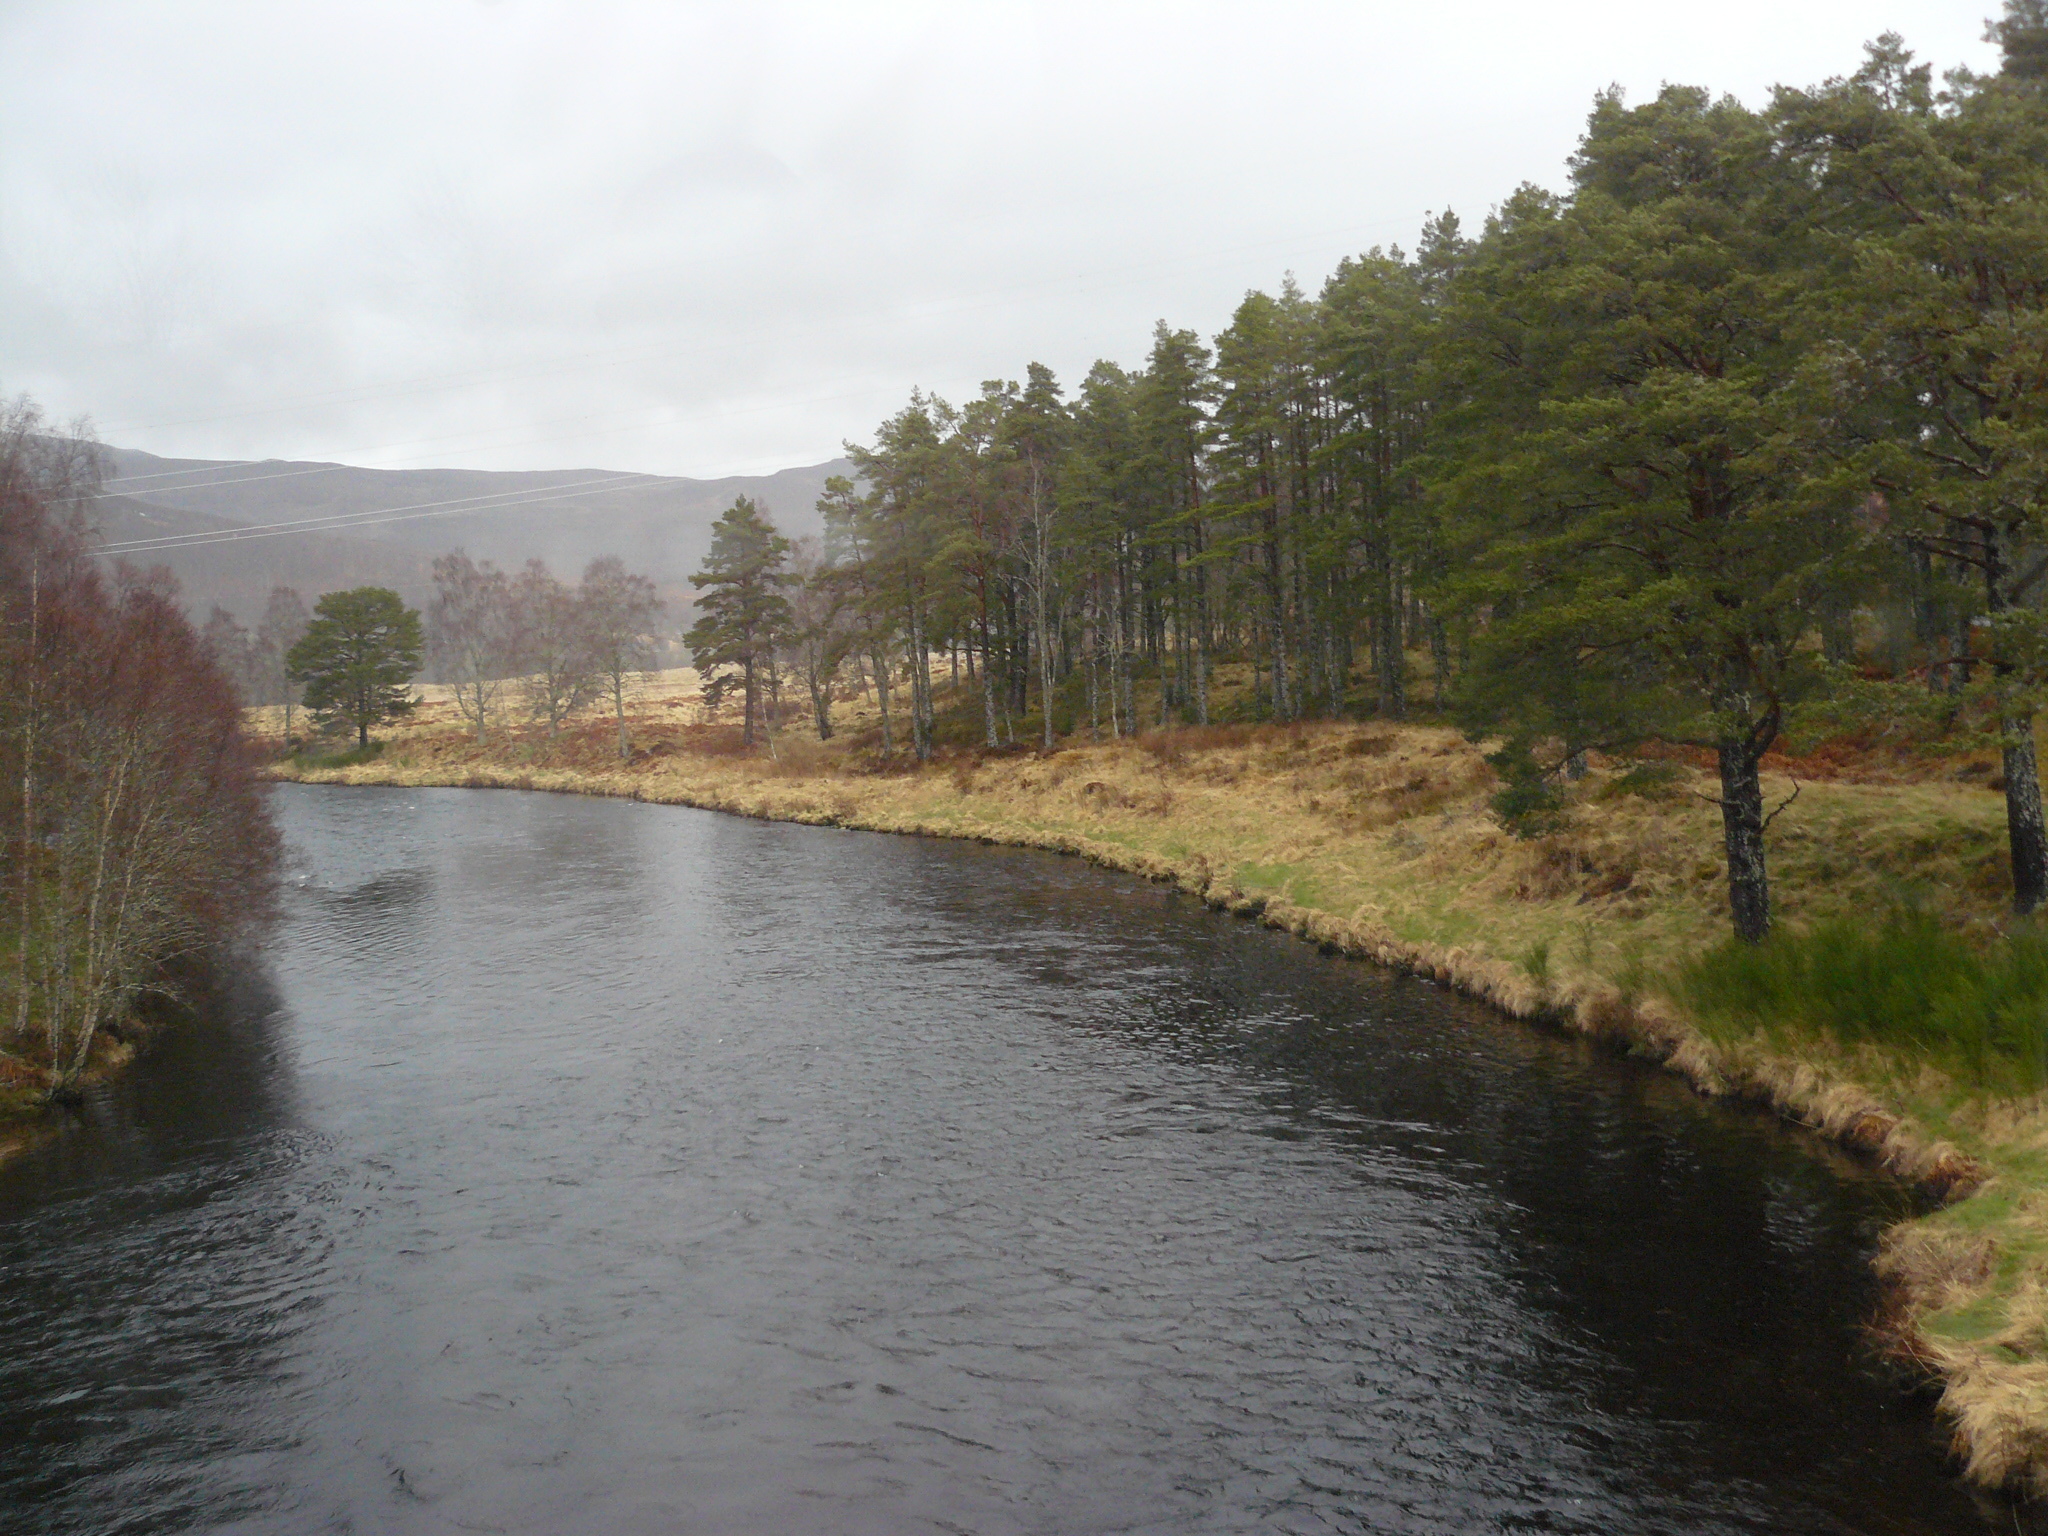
660,525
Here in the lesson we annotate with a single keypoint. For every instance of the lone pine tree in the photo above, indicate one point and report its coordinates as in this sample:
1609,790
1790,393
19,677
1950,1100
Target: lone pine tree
358,658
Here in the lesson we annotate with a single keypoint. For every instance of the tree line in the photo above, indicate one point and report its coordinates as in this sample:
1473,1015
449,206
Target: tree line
135,838
509,646
1745,426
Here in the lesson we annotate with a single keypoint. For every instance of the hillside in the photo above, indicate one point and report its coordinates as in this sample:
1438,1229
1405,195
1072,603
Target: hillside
658,524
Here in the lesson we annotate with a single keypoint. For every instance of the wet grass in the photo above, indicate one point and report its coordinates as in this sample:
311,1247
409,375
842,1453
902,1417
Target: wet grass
1909,984
315,759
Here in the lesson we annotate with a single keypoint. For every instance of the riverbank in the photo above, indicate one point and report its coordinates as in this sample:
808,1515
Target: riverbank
1376,841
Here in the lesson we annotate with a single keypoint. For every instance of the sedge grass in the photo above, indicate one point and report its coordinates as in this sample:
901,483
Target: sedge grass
1908,984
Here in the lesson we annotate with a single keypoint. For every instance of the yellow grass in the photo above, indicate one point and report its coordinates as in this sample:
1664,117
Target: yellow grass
1376,840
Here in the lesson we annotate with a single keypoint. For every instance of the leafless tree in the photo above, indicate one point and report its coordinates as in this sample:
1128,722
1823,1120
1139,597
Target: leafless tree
823,632
620,613
473,641
233,650
559,661
284,621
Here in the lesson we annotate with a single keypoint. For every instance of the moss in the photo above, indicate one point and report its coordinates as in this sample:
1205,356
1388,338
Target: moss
1980,1320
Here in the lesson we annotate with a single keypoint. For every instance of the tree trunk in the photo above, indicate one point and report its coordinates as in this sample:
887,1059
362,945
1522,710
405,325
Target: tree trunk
988,688
881,659
28,789
1094,699
619,708
920,688
1123,659
821,701
1742,830
1045,683
1957,674
768,714
2024,835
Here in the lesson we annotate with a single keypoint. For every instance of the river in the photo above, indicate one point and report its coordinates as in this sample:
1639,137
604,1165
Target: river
573,1166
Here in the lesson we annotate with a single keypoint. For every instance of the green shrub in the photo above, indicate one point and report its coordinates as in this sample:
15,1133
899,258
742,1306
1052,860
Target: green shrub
1529,803
1909,984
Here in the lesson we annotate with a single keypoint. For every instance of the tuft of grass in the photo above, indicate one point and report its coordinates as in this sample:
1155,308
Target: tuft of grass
1536,960
1909,984
349,758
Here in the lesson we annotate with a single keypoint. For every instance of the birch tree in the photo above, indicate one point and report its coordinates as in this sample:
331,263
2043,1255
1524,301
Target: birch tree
620,612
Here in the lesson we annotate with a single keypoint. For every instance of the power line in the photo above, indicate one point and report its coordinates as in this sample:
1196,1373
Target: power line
373,517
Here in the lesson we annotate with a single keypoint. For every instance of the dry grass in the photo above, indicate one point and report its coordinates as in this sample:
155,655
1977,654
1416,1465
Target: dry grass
1375,840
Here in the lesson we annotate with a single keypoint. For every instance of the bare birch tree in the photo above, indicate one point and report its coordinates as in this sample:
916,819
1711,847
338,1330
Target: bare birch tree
559,663
473,641
620,614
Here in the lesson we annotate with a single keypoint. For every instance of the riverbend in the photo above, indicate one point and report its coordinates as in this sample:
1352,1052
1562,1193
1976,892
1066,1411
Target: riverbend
575,1165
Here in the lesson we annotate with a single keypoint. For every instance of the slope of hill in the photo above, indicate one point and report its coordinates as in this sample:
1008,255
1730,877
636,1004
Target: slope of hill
238,573
317,526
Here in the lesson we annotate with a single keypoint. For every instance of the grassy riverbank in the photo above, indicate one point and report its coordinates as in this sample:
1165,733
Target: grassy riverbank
1377,840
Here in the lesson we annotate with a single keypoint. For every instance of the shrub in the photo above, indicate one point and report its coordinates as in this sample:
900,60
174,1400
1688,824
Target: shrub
1529,803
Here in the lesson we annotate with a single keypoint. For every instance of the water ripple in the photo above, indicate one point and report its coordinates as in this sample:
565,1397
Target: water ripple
590,1167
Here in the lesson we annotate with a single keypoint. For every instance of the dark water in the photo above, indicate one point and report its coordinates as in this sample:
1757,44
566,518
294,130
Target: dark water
581,1166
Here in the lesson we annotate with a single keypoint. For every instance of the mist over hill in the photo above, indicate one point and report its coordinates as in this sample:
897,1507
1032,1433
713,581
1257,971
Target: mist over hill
318,526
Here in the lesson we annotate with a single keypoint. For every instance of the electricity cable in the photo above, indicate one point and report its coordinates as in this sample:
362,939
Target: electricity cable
374,516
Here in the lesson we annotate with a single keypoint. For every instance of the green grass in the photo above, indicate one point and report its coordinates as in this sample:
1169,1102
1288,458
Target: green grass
314,760
1909,984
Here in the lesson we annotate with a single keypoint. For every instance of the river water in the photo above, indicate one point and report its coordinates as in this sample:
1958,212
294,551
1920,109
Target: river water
583,1166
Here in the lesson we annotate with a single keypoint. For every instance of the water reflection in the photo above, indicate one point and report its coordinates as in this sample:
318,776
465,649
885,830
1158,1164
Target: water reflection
587,1166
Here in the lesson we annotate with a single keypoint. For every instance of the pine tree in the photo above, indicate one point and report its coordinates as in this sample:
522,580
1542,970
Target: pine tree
1938,208
1652,539
358,658
742,614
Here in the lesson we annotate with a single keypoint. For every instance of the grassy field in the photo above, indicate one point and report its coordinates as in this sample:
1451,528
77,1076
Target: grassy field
1377,840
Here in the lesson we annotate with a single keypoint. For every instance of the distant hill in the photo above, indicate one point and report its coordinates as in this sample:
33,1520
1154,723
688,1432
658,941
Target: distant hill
659,525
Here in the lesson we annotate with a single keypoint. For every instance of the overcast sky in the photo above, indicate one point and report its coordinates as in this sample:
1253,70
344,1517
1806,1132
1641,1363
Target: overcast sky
714,239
